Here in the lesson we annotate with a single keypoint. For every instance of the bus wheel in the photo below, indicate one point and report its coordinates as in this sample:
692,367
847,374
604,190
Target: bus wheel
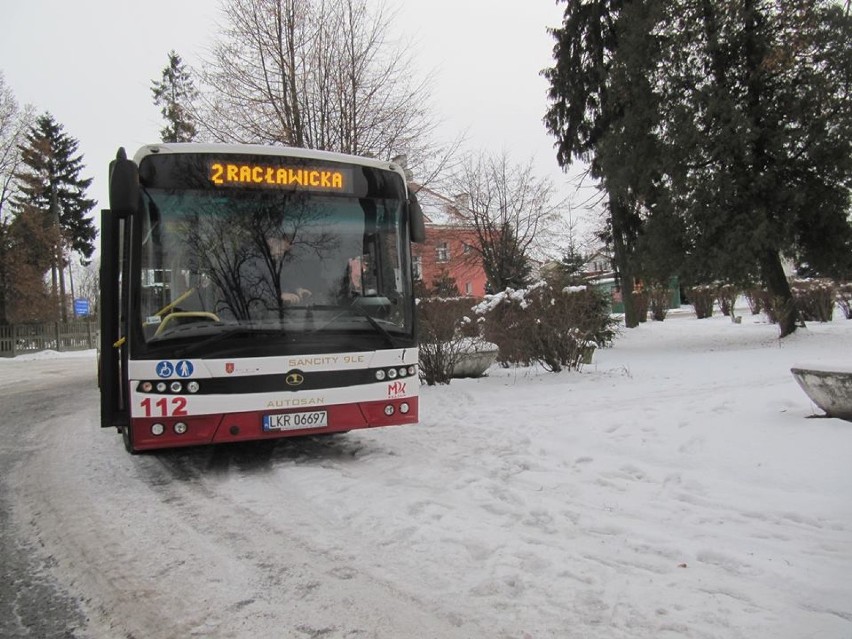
128,440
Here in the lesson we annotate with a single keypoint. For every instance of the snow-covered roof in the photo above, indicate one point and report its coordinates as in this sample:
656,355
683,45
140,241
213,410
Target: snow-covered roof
438,209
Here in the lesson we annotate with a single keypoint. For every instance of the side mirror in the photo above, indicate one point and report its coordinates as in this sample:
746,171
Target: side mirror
415,219
123,184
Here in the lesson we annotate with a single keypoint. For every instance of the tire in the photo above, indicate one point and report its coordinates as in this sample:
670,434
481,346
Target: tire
126,436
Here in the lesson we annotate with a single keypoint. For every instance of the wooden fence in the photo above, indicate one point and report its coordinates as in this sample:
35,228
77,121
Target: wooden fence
18,339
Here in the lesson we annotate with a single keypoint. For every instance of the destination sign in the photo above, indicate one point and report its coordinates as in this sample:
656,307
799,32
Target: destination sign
299,178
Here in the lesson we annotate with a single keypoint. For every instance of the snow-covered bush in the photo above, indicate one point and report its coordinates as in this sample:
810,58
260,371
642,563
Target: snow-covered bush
844,298
703,298
757,299
726,295
446,334
556,327
814,299
659,298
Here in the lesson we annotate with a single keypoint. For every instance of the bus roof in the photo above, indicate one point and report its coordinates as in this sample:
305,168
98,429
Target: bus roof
262,149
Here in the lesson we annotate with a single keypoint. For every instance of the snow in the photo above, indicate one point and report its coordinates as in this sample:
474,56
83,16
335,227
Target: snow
49,354
677,487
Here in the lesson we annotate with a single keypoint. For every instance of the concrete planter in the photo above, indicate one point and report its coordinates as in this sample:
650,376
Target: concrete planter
475,359
829,388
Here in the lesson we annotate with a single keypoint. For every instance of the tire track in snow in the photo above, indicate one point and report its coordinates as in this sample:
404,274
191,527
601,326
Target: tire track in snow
156,548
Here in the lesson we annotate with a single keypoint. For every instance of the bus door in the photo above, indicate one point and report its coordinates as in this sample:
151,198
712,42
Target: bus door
116,223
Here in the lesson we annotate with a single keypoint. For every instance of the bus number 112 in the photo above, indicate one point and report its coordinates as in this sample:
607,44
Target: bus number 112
161,407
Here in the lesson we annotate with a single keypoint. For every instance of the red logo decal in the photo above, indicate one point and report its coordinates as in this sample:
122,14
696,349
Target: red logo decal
229,367
396,389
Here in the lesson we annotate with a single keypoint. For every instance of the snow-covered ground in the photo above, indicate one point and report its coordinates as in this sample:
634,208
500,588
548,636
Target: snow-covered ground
680,486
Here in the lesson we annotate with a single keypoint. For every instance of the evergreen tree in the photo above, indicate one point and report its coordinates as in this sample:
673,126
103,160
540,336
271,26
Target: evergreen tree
571,267
31,255
759,138
603,112
720,130
52,192
444,285
505,263
174,94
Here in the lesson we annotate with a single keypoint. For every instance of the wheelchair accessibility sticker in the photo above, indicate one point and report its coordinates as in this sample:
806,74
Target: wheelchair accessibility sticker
183,368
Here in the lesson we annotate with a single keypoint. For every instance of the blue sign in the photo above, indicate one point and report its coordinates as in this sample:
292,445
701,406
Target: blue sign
184,368
81,307
165,369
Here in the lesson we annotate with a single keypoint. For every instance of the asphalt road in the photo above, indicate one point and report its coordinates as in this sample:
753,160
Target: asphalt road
32,603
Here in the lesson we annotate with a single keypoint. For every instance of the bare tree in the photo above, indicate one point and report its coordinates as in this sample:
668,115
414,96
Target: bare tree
513,213
320,74
88,280
14,123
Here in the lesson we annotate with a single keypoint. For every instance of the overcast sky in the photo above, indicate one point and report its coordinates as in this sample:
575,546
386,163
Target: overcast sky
90,63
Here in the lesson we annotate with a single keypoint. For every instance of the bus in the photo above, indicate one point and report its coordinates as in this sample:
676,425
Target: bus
253,292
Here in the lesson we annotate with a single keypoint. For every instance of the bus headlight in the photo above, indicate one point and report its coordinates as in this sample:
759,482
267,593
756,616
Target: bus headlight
380,375
157,429
392,373
180,428
192,387
404,408
176,387
389,410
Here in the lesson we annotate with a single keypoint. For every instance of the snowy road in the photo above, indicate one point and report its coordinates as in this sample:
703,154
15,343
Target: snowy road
675,489
155,546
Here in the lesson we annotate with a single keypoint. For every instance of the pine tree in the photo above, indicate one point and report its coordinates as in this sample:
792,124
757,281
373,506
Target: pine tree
759,138
570,269
30,252
603,112
444,285
174,93
720,130
52,192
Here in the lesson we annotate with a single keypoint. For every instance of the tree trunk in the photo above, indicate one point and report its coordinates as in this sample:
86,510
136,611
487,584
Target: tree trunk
63,306
618,215
779,289
54,288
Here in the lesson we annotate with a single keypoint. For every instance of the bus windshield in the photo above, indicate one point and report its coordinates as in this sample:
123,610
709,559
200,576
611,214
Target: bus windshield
240,262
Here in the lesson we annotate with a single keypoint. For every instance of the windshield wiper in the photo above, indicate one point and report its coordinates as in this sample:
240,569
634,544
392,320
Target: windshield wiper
218,337
359,311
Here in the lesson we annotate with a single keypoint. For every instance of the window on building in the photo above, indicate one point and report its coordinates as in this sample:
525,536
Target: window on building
468,288
442,252
417,267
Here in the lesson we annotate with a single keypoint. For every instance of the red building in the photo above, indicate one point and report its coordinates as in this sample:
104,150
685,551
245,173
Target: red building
450,250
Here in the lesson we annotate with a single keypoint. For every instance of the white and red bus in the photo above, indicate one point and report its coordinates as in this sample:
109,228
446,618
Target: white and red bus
252,292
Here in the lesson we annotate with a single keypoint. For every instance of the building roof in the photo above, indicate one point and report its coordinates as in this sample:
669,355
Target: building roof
438,209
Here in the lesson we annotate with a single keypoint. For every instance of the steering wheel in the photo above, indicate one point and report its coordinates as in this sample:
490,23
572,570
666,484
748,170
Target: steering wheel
167,313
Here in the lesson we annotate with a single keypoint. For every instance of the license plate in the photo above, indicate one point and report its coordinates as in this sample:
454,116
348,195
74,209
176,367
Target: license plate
295,421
